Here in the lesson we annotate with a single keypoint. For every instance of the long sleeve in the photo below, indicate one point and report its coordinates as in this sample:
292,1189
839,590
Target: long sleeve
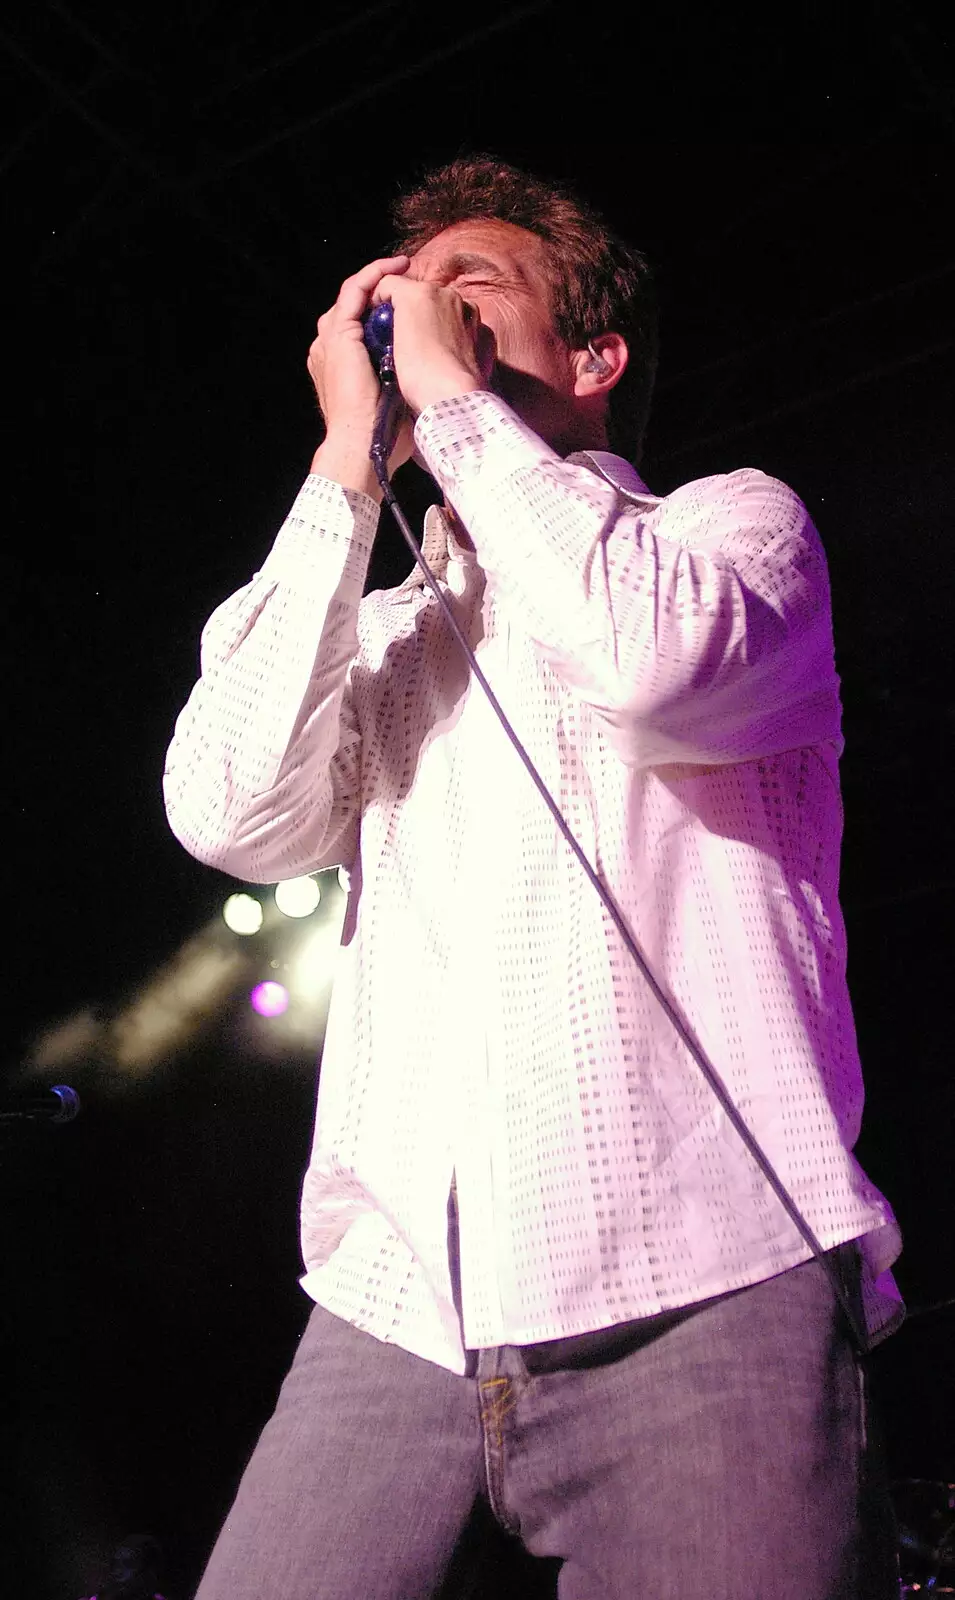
261,776
700,630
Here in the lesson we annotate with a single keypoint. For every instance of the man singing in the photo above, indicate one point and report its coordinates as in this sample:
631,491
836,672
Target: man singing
547,1271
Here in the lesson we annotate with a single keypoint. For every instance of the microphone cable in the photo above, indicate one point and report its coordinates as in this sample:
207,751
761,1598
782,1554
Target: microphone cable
381,447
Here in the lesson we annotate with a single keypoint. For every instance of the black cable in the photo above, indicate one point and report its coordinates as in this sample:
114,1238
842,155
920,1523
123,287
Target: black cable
712,1077
318,41
799,330
803,402
947,1304
140,162
365,91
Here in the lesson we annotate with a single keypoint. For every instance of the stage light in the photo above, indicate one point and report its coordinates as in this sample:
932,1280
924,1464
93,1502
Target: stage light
297,897
269,999
177,1000
313,963
243,913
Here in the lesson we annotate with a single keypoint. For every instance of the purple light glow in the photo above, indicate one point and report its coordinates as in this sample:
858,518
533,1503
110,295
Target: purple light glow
269,999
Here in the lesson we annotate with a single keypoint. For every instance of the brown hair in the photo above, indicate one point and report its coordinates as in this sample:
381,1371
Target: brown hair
600,284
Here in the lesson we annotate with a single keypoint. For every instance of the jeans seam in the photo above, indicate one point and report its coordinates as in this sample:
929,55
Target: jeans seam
494,1407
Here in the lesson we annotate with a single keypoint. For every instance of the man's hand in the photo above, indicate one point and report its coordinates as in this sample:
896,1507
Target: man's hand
347,385
442,348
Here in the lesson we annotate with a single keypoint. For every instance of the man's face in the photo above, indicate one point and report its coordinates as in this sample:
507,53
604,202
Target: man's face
502,271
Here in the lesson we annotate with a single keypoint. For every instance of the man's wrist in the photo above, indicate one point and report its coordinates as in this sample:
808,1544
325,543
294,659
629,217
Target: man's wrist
343,458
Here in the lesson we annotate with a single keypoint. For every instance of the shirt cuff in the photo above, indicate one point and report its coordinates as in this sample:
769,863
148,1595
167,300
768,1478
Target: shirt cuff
475,439
329,529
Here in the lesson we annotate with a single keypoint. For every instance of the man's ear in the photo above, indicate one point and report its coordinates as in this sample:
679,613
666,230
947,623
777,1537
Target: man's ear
600,367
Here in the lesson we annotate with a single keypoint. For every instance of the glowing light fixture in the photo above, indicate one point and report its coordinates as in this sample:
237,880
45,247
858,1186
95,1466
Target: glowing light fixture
312,965
344,879
243,913
298,897
269,999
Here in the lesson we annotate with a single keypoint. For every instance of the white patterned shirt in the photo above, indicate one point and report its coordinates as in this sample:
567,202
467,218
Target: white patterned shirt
668,664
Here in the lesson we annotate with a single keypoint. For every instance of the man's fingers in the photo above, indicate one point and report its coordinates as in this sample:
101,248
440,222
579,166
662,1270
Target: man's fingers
391,283
341,371
354,292
385,286
353,295
369,276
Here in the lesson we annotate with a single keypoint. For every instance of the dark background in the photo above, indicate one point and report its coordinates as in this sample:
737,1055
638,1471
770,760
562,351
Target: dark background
183,191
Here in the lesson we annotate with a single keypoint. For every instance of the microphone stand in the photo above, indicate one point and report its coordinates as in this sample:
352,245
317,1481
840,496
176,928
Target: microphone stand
387,418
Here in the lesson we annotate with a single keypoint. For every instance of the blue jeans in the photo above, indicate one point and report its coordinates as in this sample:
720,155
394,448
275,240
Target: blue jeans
714,1455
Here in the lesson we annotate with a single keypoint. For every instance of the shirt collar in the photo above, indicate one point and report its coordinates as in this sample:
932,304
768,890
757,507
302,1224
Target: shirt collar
620,473
439,546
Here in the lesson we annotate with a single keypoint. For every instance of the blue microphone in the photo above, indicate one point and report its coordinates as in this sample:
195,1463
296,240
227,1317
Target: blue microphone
378,326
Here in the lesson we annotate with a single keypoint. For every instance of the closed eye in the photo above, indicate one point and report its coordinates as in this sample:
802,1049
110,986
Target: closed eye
483,284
